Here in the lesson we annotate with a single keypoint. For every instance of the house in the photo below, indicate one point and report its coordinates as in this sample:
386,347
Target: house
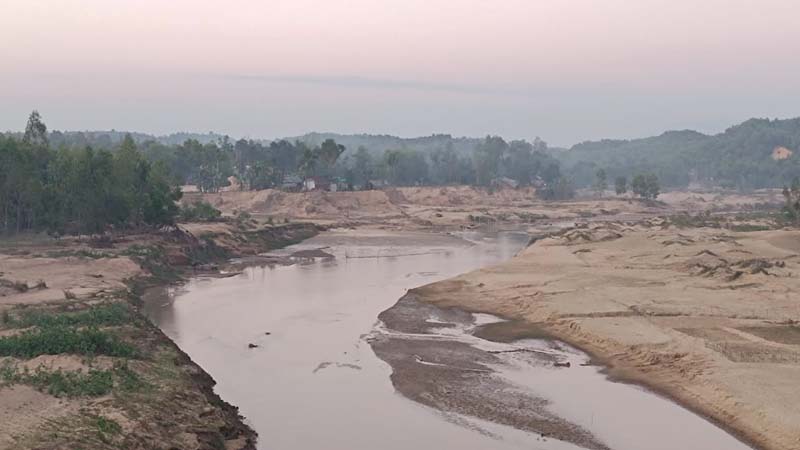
316,184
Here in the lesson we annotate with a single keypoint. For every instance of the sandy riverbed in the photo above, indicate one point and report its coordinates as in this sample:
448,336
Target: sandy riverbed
705,316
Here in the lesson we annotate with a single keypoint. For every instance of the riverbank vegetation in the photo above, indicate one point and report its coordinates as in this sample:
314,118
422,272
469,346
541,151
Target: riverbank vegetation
80,190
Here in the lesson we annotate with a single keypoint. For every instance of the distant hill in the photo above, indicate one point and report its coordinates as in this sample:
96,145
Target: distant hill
111,138
379,143
756,153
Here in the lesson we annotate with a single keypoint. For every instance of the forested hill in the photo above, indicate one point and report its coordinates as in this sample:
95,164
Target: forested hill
379,143
112,138
756,153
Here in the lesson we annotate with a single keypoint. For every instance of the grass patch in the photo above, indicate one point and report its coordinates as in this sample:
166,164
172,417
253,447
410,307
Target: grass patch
58,340
61,383
81,253
111,314
107,426
750,227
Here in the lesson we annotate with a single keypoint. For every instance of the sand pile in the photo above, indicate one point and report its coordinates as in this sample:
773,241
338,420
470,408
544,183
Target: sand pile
466,195
315,204
326,204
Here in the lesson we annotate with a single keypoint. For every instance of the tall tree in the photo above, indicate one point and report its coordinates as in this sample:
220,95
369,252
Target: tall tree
600,183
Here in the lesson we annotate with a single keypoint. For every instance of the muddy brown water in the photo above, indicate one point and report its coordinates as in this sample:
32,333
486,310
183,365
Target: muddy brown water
314,381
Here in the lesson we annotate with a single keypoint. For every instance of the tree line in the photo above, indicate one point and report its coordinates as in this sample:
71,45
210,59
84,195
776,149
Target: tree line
644,186
67,189
80,190
259,165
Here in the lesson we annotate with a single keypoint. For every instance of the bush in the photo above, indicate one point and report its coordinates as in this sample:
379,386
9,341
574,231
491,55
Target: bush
107,426
199,211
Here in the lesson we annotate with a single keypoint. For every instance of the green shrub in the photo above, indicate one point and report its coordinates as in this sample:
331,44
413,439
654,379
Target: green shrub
60,383
102,315
107,426
199,211
58,340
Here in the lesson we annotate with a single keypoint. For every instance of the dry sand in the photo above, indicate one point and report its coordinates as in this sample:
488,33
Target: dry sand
456,206
706,316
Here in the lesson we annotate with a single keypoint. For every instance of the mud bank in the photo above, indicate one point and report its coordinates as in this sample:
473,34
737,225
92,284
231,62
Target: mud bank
475,365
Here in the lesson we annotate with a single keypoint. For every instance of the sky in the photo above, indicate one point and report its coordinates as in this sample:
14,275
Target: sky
565,70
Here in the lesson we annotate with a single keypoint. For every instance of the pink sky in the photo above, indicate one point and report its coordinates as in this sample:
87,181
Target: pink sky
566,70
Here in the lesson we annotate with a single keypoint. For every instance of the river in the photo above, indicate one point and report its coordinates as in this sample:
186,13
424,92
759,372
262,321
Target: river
289,344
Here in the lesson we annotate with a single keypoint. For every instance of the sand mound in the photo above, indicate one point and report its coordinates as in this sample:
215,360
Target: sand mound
314,204
466,195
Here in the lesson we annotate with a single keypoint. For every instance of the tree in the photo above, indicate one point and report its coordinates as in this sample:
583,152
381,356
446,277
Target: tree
653,186
488,156
791,208
80,190
560,190
600,183
329,152
363,169
621,185
646,186
35,131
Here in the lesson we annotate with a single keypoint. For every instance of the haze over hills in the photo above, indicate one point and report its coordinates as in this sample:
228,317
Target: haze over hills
756,153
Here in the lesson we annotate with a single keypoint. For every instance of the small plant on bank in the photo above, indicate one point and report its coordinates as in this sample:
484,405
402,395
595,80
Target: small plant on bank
63,383
107,426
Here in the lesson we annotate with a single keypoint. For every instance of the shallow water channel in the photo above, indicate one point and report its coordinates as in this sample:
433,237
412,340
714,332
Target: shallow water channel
313,381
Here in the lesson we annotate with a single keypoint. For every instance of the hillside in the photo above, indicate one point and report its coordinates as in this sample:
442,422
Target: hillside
756,153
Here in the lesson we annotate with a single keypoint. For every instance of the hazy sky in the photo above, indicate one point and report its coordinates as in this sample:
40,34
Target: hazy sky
565,70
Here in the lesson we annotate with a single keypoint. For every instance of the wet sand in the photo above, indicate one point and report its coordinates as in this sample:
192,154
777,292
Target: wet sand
707,317
527,380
